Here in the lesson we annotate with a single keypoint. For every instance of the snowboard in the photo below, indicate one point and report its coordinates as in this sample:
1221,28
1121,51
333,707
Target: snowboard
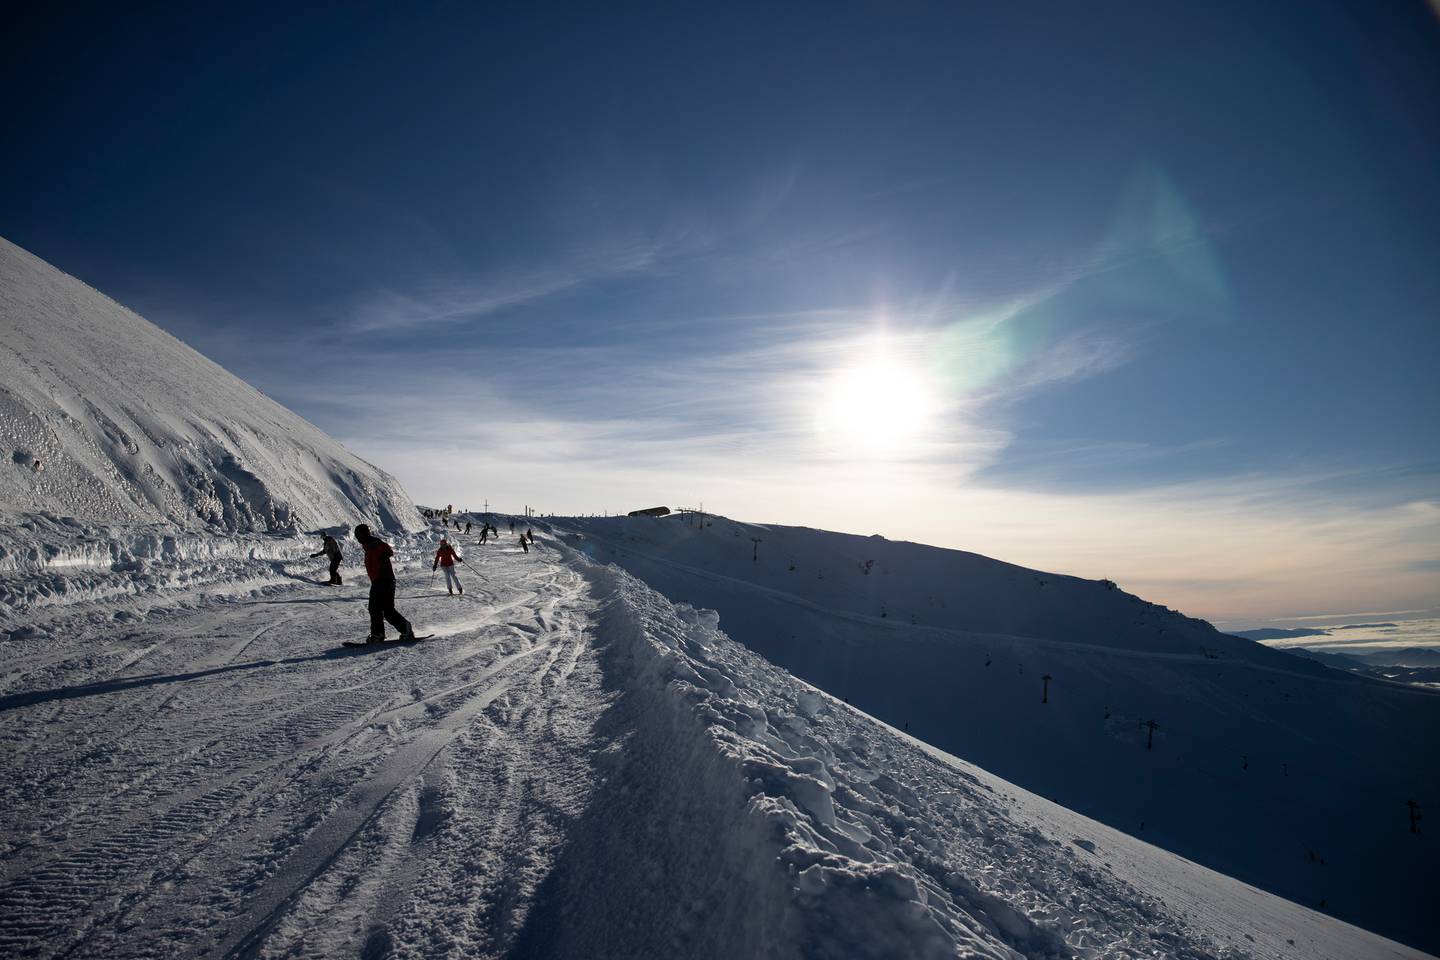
384,643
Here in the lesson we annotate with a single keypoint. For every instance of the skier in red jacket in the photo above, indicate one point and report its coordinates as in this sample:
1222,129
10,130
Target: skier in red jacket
446,557
382,587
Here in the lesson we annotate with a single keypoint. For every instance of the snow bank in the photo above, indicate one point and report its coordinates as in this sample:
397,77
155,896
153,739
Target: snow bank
49,564
106,418
788,824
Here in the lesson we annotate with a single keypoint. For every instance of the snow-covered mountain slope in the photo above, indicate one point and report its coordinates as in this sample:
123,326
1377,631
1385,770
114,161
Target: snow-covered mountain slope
886,846
915,584
1263,766
572,767
107,419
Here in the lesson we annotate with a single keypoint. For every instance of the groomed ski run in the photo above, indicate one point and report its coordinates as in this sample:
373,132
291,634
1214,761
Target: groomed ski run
573,766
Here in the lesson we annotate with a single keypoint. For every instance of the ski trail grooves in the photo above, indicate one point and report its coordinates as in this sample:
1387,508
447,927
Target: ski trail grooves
260,790
323,845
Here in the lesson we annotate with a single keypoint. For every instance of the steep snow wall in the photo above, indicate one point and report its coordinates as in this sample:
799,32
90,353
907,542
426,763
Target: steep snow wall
1263,766
51,568
106,418
743,813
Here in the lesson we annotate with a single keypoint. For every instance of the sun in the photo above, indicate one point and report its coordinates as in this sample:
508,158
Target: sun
878,408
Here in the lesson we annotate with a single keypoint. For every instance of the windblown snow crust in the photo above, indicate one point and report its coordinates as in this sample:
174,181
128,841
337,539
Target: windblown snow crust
1261,765
107,419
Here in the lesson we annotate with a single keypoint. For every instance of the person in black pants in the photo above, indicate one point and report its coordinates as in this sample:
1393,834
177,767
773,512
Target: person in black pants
331,549
382,587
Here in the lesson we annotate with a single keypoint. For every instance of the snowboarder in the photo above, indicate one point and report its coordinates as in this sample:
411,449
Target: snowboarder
446,557
331,549
382,587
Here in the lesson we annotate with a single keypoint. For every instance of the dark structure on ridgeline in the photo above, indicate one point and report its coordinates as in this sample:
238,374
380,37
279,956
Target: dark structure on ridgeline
650,512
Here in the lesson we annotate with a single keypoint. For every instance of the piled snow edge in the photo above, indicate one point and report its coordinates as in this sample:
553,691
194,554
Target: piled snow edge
795,887
50,563
814,829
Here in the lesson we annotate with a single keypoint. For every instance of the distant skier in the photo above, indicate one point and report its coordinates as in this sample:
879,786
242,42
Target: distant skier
467,527
446,557
331,549
523,545
382,587
484,533
530,535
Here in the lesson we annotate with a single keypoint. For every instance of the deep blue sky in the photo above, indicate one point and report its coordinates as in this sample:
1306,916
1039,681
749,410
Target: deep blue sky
1167,272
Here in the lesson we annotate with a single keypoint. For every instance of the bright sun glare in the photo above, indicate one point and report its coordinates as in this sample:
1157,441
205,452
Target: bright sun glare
877,408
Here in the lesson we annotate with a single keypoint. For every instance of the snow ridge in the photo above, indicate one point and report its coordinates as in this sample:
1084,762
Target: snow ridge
1263,767
854,841
106,418
772,771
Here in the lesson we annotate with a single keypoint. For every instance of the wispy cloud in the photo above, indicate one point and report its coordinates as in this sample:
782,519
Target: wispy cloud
439,304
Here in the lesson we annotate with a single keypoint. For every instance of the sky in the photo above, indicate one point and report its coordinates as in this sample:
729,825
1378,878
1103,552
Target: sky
1139,291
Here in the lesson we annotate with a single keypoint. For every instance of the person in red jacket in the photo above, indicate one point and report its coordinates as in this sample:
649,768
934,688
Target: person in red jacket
446,557
382,587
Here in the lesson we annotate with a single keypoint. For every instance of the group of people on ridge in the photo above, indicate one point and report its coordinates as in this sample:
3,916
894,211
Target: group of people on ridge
382,574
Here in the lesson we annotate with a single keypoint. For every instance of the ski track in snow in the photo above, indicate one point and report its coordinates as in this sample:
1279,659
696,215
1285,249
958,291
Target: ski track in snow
233,780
